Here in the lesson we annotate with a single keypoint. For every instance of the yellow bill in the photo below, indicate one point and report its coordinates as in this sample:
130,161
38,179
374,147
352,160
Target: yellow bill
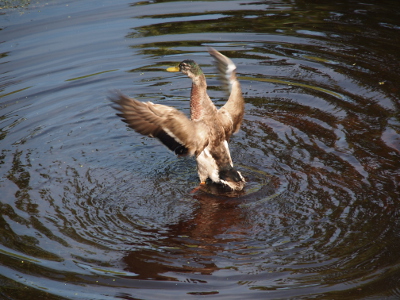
173,69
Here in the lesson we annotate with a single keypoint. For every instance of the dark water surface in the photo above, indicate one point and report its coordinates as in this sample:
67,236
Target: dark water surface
91,210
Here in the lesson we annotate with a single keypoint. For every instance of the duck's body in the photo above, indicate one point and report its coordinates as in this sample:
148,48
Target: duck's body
206,134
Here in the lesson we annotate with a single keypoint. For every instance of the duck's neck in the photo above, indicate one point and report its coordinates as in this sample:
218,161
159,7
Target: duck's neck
197,97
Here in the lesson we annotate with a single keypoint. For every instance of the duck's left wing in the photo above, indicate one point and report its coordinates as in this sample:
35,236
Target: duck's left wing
166,123
232,112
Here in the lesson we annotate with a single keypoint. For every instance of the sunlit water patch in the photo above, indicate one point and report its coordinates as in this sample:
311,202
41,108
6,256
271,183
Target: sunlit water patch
92,210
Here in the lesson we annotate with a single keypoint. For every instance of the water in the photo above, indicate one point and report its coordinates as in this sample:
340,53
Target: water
91,210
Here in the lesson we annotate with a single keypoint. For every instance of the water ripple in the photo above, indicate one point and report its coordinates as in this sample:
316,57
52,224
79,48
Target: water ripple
91,210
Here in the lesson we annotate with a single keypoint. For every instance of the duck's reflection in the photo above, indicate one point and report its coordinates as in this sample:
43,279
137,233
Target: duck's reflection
192,245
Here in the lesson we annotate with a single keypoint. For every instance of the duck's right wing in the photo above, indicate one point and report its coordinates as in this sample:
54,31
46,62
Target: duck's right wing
232,112
166,123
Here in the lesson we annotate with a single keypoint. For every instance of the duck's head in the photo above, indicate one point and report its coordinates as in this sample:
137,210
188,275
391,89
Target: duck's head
188,67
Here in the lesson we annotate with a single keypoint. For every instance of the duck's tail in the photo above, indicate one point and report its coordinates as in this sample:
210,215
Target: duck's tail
232,178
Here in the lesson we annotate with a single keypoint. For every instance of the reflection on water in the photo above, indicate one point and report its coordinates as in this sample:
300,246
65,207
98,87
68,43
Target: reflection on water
91,210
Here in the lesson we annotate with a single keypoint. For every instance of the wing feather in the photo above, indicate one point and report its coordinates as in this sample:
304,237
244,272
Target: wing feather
232,112
168,124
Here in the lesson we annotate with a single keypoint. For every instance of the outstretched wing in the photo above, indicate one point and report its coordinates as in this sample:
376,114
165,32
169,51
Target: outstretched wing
168,124
232,112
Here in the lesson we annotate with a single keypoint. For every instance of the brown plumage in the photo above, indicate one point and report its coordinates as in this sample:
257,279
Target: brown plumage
206,134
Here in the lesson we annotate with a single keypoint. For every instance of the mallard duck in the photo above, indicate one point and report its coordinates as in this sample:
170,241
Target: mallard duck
206,134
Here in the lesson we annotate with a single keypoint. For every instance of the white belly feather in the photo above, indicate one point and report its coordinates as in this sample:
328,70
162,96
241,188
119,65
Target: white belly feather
207,166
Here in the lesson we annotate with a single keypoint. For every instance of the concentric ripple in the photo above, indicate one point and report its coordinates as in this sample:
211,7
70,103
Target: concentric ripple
91,210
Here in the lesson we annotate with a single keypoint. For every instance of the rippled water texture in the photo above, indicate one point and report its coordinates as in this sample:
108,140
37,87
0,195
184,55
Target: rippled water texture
91,210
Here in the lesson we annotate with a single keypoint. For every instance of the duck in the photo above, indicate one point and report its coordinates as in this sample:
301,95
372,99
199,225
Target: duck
205,135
